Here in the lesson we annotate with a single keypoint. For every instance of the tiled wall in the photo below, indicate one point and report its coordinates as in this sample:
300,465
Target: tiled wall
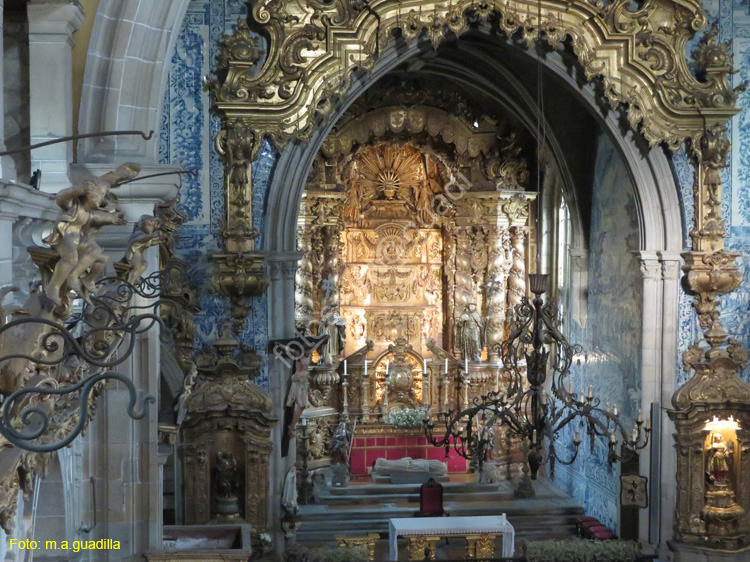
186,137
611,338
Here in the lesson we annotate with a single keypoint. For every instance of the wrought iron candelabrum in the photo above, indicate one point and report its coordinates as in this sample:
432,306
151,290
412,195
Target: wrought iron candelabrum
75,358
531,408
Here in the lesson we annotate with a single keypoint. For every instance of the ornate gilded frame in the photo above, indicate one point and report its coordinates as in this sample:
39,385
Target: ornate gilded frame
315,50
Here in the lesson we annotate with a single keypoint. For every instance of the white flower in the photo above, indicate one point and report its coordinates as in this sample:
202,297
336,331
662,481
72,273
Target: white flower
407,417
265,538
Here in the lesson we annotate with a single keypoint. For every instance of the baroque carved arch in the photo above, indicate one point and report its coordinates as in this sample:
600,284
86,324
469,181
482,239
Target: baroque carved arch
315,50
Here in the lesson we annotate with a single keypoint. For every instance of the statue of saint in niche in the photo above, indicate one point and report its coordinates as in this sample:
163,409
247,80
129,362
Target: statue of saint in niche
469,332
719,453
226,486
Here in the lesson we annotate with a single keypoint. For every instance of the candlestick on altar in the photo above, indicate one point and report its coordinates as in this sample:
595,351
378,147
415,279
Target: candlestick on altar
365,368
445,392
466,365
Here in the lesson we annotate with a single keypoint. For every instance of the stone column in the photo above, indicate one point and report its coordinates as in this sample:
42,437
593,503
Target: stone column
123,452
651,380
664,496
51,25
280,326
7,166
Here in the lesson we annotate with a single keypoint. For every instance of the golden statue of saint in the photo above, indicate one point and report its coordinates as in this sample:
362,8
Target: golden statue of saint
719,451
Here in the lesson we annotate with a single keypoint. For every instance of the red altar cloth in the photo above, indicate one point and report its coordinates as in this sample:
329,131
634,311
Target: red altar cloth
366,450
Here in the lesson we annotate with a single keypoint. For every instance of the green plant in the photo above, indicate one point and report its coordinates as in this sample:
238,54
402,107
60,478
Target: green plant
341,554
577,550
407,417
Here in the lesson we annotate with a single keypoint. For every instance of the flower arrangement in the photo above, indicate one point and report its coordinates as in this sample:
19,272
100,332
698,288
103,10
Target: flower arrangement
407,417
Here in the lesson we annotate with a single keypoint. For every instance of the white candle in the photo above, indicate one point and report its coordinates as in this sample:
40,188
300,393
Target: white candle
591,391
648,424
387,366
304,422
582,398
424,367
345,373
570,390
446,366
466,364
640,415
615,409
635,434
365,367
608,407
577,437
533,436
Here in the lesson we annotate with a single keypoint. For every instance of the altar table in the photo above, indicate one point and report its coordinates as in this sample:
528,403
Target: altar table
424,532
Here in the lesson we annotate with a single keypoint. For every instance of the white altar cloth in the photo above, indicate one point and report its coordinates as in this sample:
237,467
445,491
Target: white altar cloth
442,526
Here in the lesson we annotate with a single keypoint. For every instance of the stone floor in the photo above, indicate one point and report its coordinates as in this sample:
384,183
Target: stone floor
365,507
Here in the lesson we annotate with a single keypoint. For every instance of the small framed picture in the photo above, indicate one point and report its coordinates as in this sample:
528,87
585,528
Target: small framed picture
634,490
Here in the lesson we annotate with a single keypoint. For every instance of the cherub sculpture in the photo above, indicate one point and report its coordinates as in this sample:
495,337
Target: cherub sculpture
145,234
85,208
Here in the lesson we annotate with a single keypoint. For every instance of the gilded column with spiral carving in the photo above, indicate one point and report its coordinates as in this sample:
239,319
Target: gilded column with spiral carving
517,273
495,288
464,284
303,280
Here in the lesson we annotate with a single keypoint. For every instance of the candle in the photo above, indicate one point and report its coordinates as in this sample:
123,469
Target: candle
533,436
345,373
387,366
648,424
466,364
640,415
635,434
424,367
365,367
570,389
607,407
446,365
582,397
591,391
577,437
304,422
615,408
612,438
544,397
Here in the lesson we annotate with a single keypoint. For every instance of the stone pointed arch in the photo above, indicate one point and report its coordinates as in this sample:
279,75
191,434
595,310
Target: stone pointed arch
125,77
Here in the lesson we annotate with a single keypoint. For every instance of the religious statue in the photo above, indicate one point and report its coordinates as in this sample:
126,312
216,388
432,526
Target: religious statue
239,159
85,209
469,333
225,486
717,469
298,391
341,443
335,328
289,493
145,235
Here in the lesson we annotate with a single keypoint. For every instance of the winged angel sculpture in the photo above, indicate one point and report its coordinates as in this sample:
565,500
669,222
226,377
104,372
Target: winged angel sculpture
55,362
